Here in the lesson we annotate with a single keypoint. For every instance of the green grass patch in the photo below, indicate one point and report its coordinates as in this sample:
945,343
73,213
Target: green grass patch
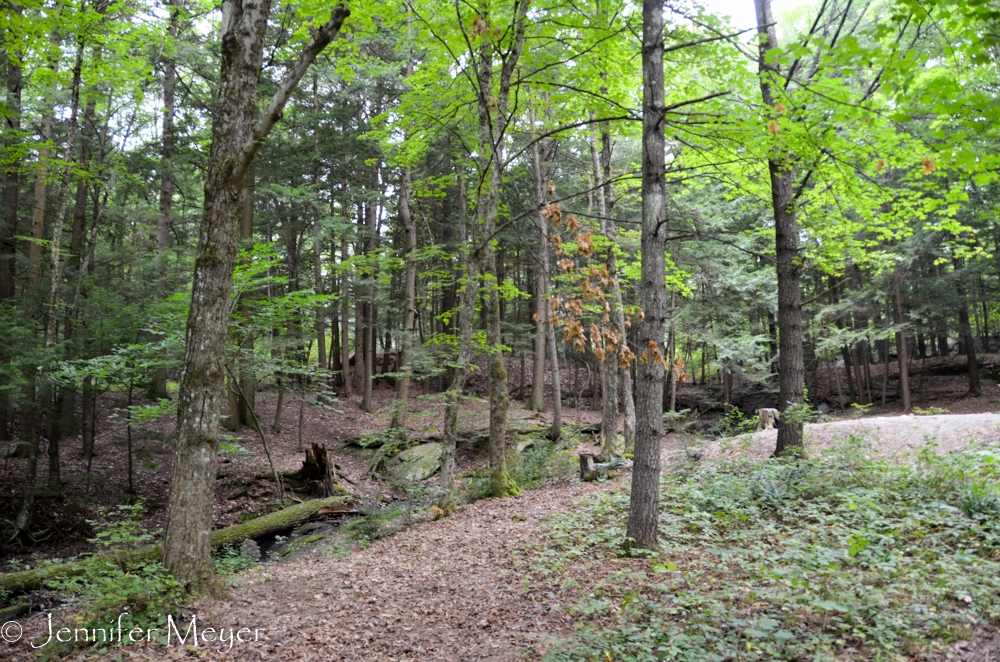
838,557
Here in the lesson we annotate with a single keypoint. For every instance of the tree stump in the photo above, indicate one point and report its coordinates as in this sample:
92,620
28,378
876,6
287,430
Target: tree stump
587,469
318,474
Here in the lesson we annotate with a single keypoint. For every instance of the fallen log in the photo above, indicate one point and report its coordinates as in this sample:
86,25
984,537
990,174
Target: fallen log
27,580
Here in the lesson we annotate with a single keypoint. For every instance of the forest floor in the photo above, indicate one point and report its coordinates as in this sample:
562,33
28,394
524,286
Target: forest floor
455,589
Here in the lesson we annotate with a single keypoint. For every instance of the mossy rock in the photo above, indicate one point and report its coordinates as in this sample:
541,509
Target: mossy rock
417,463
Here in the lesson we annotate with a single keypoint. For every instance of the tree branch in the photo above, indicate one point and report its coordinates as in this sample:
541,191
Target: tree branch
275,109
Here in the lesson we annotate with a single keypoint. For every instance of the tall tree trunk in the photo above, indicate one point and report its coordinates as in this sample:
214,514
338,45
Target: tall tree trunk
345,324
41,191
644,504
246,395
537,401
609,365
967,340
492,127
617,307
901,348
545,331
168,141
368,308
404,367
672,353
11,179
238,131
453,397
791,370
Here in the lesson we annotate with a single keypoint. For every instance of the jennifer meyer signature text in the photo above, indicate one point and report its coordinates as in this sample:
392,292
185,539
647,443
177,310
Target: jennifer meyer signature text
172,634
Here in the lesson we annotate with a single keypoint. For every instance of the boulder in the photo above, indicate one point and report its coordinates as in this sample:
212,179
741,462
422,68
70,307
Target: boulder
250,550
417,463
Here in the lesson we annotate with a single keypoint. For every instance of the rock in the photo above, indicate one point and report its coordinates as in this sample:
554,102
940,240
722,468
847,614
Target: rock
250,550
297,544
823,408
307,527
417,463
525,444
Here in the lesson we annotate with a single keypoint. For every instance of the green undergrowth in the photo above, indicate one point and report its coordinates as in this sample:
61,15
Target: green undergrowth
120,593
545,464
832,558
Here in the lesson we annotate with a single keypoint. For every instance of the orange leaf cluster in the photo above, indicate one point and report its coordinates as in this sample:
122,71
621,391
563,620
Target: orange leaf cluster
574,306
554,303
928,165
625,357
557,242
591,292
678,369
566,265
595,338
572,223
550,189
604,278
573,333
654,355
553,212
584,241
478,27
772,128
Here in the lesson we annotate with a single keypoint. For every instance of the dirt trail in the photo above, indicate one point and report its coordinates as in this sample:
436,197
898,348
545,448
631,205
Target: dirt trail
442,590
895,437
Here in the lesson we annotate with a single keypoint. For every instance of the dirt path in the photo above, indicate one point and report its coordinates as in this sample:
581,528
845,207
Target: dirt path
435,591
893,437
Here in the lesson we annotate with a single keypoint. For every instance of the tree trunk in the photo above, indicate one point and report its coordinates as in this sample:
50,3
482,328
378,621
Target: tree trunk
617,307
169,143
492,126
644,504
790,354
545,331
404,367
966,330
238,131
11,176
609,365
901,348
41,187
318,288
466,316
345,324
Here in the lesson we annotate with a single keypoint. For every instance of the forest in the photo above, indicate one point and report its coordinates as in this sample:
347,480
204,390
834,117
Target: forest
501,329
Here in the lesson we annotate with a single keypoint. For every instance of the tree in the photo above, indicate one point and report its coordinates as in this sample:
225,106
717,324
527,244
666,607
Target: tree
644,511
238,131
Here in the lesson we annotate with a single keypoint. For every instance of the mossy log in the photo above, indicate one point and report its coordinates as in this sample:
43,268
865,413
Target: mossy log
27,580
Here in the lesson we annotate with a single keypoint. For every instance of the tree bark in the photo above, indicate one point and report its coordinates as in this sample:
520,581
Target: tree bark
644,504
791,370
345,324
492,128
410,295
11,173
238,131
901,348
453,397
967,340
617,306
168,141
545,331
